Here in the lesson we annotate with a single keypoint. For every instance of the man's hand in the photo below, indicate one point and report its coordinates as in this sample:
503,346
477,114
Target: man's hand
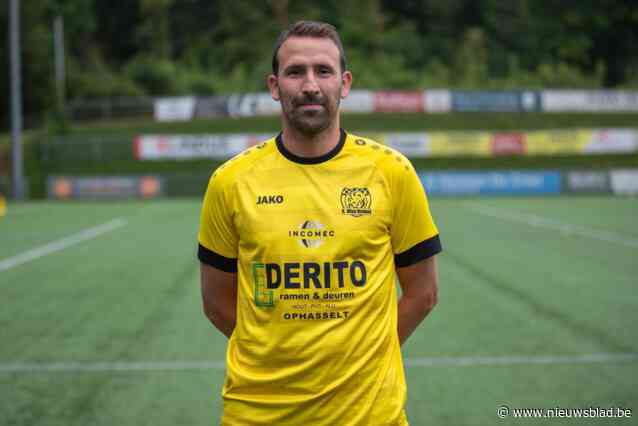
419,285
219,296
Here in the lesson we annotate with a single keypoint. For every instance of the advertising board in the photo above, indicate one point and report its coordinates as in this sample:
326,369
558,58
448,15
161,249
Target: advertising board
104,187
491,182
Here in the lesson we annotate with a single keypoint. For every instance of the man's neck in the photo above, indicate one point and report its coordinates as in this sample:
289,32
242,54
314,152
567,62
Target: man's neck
311,146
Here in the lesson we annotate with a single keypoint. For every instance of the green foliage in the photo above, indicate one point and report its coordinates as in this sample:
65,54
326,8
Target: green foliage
93,78
564,75
196,81
168,47
631,80
154,28
154,76
470,63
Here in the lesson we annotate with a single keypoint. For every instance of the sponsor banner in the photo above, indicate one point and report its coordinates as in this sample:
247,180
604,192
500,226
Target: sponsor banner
415,145
411,144
624,181
104,187
545,142
612,141
174,109
589,100
459,144
189,147
466,101
252,104
358,101
256,104
247,104
266,105
211,107
437,100
398,101
558,142
492,182
587,182
512,143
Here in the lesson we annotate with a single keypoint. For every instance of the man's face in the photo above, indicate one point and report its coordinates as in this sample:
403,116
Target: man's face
310,83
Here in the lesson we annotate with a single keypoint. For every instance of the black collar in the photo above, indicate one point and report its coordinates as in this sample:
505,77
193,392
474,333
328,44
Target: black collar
311,160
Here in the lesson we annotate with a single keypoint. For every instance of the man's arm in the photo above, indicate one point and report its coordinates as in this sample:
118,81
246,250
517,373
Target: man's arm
419,286
219,296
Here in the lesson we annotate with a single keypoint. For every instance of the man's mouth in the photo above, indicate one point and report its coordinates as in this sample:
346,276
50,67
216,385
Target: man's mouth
310,106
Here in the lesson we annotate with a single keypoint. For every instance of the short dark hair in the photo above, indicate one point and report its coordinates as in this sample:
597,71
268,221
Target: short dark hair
309,29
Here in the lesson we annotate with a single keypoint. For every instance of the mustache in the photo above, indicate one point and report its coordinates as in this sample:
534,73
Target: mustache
309,99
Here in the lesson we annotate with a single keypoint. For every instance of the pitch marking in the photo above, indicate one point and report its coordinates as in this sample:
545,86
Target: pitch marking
61,244
543,222
467,361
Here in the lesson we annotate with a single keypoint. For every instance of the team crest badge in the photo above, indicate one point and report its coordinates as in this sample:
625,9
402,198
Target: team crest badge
356,201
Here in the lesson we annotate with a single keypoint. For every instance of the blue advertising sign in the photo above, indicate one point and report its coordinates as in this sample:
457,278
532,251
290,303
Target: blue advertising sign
492,182
501,101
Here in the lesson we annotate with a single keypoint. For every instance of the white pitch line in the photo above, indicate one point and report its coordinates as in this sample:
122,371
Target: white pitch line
467,361
473,361
79,367
61,244
543,222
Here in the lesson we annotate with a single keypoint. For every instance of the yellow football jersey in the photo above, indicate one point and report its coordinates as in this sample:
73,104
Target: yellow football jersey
315,243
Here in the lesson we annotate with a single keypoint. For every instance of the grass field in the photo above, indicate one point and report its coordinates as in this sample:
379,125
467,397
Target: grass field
537,309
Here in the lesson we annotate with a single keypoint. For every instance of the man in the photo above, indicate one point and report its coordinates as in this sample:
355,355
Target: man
299,241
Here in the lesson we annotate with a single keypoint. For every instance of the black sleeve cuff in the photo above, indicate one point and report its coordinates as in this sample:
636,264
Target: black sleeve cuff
418,252
215,260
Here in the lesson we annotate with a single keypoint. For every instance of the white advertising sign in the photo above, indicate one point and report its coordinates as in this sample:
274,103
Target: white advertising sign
589,100
174,109
437,101
409,144
188,147
358,101
266,105
613,141
624,181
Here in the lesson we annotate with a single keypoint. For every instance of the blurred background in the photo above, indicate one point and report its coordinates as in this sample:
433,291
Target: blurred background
521,118
99,74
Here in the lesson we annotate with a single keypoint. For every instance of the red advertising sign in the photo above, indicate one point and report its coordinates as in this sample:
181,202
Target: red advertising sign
398,101
508,144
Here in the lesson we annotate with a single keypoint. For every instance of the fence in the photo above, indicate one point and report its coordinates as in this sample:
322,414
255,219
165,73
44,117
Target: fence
110,108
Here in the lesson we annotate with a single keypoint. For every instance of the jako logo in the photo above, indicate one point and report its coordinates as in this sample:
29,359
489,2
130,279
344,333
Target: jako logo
270,199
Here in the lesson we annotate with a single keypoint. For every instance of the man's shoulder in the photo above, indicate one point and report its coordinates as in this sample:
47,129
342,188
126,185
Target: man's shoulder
388,160
232,169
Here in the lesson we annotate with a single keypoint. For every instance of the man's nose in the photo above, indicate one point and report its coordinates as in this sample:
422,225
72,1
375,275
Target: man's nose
310,83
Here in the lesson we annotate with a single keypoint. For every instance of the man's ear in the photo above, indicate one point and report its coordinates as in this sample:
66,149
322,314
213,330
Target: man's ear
346,83
273,86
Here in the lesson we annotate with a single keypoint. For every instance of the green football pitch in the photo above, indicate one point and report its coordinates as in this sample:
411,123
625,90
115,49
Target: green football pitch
101,322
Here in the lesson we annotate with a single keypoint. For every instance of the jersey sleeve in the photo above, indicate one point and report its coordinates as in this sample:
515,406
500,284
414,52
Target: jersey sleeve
217,235
414,235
